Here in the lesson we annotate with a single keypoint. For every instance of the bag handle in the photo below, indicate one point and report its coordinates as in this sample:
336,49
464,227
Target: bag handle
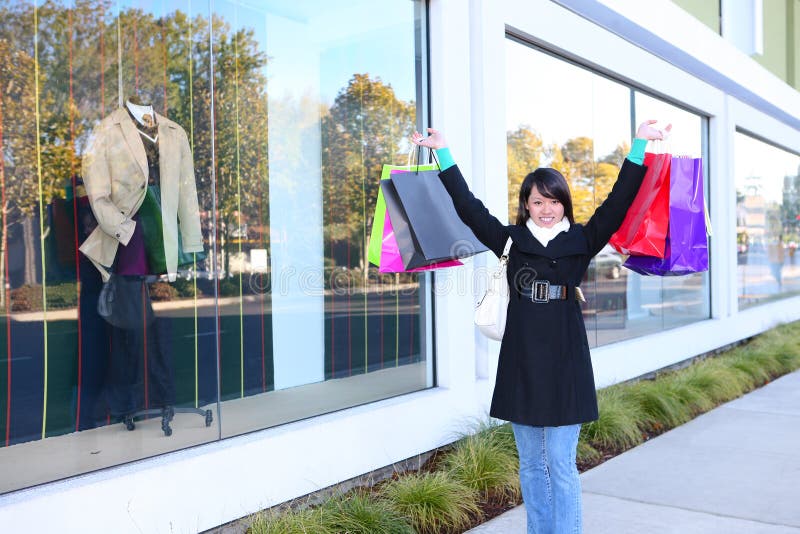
431,158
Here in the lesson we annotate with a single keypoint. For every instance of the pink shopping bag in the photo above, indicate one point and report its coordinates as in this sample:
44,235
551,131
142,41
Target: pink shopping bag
392,262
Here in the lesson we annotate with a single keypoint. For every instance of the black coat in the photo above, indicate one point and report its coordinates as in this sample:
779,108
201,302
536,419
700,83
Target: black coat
544,376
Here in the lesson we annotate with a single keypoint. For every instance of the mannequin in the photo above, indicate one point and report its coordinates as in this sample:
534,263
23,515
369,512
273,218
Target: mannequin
143,113
124,164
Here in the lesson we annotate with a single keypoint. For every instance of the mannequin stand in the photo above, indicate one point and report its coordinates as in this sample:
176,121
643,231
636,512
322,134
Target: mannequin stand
167,413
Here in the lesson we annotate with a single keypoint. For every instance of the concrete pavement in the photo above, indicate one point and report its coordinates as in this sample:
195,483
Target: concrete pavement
733,470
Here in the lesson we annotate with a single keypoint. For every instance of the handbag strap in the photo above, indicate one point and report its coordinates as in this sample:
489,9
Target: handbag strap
504,257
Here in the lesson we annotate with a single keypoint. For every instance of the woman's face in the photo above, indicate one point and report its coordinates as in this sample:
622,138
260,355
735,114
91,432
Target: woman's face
544,211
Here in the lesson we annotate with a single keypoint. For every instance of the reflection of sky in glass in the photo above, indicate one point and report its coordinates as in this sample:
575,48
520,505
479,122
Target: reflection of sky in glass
685,139
347,37
758,163
560,101
341,47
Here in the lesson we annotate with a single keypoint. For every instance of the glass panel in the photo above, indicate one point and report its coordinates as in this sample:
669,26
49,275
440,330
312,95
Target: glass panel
309,106
271,286
585,136
767,220
682,299
73,160
584,131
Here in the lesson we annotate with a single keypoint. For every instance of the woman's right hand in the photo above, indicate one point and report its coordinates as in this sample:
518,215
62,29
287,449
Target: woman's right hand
435,139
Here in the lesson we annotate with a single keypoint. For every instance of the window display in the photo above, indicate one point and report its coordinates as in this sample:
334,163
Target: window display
183,245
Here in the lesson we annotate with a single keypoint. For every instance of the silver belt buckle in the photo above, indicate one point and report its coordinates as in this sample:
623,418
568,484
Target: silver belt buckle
540,291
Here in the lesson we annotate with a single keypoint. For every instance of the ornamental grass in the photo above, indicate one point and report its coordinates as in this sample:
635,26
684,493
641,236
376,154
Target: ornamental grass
360,512
432,502
306,521
617,427
485,463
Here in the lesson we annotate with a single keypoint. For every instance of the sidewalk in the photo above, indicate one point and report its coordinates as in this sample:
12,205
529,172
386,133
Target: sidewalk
733,470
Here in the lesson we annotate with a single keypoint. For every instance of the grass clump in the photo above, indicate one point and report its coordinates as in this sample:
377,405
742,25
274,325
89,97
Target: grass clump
743,362
432,502
695,399
717,382
617,427
484,463
659,403
361,513
587,454
306,521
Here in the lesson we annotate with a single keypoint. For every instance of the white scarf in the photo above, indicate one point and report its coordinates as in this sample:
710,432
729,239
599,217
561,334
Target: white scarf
544,235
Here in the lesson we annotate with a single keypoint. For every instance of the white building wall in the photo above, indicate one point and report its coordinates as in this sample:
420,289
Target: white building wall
199,488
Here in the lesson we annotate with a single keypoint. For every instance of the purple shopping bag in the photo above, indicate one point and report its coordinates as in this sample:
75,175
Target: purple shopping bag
686,249
392,261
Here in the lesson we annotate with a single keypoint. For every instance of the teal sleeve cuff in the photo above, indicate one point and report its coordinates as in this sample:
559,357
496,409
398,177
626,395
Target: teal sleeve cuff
446,158
637,151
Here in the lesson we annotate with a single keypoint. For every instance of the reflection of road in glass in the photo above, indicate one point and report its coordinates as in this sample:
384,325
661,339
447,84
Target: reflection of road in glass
757,280
635,305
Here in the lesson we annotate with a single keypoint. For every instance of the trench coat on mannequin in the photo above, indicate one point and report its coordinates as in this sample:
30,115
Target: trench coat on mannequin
115,175
544,375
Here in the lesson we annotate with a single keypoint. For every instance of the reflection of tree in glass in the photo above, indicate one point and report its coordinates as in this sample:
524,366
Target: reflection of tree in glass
590,180
165,61
240,105
366,127
18,177
525,152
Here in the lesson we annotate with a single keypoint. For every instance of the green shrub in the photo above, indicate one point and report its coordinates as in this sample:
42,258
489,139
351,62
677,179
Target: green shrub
767,360
694,399
745,364
306,521
716,381
587,453
618,424
360,513
484,463
432,502
501,434
658,403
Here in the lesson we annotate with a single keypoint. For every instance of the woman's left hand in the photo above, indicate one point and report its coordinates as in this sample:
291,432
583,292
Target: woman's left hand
651,133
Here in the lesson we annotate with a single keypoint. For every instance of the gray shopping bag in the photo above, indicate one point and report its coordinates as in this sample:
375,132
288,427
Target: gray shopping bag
428,229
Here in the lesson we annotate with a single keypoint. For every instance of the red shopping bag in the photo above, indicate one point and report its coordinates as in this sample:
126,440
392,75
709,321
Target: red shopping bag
644,230
687,241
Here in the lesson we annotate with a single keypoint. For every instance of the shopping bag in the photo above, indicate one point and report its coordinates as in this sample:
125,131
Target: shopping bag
434,231
392,260
644,230
686,249
152,223
376,235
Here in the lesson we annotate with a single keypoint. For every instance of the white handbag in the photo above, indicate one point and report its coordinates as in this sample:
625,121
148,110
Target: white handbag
490,313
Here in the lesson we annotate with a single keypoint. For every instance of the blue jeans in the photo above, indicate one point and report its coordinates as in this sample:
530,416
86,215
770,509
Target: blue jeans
551,488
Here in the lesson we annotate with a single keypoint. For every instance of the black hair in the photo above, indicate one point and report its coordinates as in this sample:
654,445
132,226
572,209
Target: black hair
551,184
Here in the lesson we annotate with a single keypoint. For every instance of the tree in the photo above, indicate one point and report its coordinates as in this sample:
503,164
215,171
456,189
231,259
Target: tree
525,152
366,127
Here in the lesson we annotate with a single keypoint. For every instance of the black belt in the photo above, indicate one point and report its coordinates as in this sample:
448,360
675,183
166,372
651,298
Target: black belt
542,291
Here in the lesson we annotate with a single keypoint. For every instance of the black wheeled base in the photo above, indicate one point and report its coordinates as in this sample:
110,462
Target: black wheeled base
167,413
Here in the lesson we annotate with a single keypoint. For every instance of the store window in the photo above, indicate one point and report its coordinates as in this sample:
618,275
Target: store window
565,116
221,160
767,220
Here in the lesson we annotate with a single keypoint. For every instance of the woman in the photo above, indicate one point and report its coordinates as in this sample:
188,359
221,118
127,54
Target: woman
545,384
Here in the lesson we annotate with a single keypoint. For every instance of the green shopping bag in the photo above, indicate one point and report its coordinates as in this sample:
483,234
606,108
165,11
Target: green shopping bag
151,221
376,237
